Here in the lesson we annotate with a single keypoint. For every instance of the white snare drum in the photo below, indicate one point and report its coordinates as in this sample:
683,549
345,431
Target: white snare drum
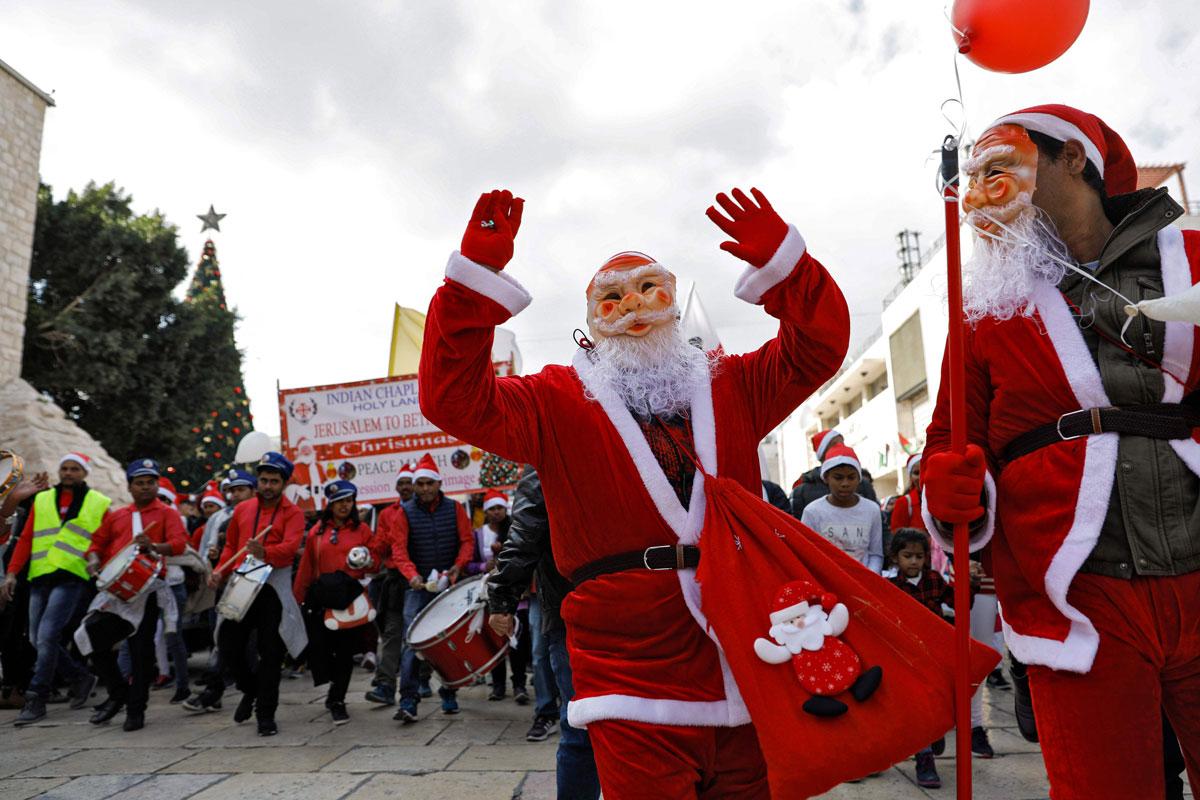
247,581
12,470
129,574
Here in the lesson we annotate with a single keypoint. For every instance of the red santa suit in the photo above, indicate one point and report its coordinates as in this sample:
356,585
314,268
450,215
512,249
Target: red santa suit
640,646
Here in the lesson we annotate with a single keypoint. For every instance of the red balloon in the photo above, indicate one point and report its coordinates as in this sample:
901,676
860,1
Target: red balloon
1016,35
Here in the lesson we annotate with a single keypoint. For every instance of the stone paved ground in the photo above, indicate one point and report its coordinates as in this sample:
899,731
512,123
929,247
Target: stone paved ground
477,755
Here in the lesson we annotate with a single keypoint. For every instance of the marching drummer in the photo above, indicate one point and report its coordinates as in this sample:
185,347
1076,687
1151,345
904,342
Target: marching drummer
157,530
330,577
268,528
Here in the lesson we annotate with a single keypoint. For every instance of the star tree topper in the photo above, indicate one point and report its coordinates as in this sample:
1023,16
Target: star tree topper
211,220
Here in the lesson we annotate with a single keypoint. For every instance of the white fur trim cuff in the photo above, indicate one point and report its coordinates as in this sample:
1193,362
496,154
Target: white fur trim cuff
757,281
495,285
934,527
699,713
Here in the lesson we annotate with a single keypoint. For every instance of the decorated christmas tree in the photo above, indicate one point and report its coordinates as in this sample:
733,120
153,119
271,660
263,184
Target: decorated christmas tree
217,375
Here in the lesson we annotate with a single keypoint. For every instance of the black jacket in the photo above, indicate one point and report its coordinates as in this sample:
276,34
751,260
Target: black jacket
526,554
811,487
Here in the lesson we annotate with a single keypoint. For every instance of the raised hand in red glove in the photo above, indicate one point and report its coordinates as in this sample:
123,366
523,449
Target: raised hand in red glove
953,485
492,229
757,230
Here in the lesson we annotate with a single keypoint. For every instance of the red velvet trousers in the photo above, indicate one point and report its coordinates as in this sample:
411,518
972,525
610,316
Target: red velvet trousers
1101,733
639,761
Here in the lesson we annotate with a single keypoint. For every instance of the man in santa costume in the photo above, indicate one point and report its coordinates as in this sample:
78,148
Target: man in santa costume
617,438
1082,461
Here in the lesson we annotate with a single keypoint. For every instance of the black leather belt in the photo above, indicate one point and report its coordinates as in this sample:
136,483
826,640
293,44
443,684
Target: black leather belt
659,557
1158,421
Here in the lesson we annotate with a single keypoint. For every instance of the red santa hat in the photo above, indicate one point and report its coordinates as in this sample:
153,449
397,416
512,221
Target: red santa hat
80,459
821,441
494,498
796,597
166,489
625,260
406,471
912,462
212,496
426,468
839,456
1105,149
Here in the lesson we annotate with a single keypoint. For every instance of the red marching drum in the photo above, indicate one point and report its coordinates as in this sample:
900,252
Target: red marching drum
452,634
128,574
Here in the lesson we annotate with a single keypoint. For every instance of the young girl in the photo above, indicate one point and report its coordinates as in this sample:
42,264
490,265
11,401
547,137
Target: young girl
325,580
842,516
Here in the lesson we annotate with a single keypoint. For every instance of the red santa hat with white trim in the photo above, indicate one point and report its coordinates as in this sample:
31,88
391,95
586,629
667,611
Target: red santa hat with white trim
166,489
494,497
427,468
821,441
912,463
1105,149
212,495
840,456
80,459
406,471
796,597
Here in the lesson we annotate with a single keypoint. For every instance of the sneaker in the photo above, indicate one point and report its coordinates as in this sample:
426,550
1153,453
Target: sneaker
541,729
34,710
82,691
927,774
206,701
425,690
407,712
267,727
244,710
496,695
980,746
383,694
996,680
450,704
133,722
521,697
1023,704
338,712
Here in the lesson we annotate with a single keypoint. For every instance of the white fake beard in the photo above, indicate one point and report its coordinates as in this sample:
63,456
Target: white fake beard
653,375
1007,268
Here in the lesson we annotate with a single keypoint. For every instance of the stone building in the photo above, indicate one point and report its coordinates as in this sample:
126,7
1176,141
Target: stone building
30,425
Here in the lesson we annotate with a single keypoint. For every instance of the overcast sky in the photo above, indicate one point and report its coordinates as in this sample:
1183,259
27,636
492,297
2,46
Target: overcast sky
347,141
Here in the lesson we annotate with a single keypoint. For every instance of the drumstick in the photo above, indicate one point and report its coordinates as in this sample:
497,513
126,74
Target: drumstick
236,555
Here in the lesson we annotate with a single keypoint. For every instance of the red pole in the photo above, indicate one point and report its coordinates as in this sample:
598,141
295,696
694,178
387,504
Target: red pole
958,443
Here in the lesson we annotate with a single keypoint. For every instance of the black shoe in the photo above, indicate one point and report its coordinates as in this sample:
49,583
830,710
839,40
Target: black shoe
939,746
267,727
55,697
338,712
245,709
927,774
496,695
521,697
821,706
134,722
81,692
107,710
206,701
1023,705
980,746
541,729
996,680
181,694
34,709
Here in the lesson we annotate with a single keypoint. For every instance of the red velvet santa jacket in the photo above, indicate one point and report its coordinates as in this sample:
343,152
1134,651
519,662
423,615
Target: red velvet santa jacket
639,644
1050,505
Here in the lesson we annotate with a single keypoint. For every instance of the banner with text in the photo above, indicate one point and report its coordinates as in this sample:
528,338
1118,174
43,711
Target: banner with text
364,432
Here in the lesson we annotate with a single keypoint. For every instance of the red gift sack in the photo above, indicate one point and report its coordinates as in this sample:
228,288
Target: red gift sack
749,550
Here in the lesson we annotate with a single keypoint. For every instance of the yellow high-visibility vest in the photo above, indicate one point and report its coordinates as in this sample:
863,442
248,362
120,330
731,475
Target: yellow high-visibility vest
63,545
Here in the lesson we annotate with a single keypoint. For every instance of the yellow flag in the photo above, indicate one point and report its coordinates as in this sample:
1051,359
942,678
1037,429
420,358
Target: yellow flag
408,332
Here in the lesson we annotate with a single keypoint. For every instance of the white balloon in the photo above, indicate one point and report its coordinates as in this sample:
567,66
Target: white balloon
252,447
1181,307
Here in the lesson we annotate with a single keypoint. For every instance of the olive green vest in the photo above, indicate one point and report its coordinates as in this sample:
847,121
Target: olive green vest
62,545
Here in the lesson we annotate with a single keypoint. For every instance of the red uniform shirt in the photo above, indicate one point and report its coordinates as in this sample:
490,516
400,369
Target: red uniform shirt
398,540
322,555
20,555
251,518
116,531
385,532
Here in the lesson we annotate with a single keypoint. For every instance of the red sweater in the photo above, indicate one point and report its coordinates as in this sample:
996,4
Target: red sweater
322,556
385,531
116,531
252,517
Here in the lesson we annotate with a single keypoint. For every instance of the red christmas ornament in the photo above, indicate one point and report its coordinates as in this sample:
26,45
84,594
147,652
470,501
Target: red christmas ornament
1016,35
214,413
195,430
237,390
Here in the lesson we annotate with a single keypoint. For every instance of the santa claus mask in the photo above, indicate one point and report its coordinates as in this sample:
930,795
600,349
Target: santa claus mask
805,631
631,295
1001,176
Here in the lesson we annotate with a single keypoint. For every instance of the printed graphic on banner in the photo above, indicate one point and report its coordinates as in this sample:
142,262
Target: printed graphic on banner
364,432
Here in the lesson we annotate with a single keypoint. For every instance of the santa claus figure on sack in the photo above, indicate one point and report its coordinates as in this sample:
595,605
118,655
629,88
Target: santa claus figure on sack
635,423
806,634
1083,463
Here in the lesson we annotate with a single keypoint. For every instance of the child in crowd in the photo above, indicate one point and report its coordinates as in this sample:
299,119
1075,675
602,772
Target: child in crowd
910,551
842,516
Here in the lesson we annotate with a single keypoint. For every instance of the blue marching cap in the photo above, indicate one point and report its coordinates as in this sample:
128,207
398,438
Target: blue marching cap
142,466
276,462
340,490
239,477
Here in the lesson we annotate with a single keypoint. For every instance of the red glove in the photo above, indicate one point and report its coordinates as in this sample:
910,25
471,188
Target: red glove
953,485
492,229
758,230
